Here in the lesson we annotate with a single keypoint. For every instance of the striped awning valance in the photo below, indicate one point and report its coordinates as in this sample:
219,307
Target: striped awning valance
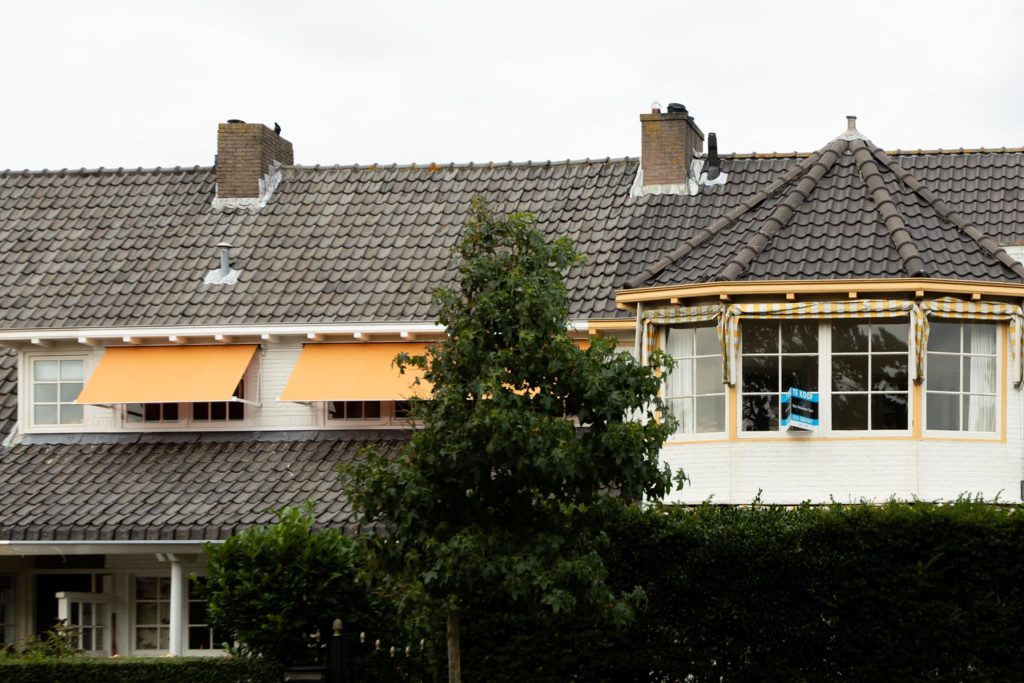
728,317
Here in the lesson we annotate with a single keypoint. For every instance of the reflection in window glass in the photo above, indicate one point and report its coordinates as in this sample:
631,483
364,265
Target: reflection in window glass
960,378
778,355
694,391
870,383
152,613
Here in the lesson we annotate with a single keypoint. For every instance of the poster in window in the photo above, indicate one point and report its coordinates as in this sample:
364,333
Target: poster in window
799,411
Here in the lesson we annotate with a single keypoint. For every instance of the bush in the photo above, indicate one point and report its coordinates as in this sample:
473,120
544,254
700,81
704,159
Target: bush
139,670
893,592
269,588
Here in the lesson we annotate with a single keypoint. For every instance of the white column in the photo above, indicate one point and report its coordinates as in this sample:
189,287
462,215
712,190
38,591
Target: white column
178,593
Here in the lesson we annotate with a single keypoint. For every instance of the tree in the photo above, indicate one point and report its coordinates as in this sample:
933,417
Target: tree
501,492
269,587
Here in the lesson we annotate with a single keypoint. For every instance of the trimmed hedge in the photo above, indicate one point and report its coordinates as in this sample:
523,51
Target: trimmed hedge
892,592
82,669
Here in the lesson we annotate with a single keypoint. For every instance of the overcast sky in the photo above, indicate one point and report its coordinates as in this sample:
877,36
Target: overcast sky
139,84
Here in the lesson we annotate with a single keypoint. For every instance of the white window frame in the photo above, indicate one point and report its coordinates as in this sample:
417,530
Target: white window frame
1001,381
824,356
185,422
694,436
387,418
134,614
26,393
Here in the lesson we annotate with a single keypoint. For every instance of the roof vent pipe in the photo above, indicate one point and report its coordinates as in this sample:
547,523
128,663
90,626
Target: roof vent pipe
714,166
225,259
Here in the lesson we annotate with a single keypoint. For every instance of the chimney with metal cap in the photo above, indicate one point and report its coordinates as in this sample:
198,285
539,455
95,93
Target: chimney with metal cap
667,142
246,153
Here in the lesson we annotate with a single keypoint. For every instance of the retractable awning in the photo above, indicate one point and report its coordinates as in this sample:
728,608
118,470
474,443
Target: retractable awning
354,372
167,374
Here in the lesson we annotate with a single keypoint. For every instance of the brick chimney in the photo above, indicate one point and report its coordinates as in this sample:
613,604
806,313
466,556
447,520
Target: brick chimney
246,153
667,141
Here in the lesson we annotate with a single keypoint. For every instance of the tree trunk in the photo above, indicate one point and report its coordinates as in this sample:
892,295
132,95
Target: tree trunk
454,649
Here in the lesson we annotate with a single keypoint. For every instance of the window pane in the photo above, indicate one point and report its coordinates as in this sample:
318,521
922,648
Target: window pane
943,372
889,411
86,638
198,638
164,583
850,373
45,415
218,411
980,374
70,414
680,380
980,413
709,375
145,588
944,336
69,391
46,370
849,335
707,341
164,611
354,410
760,374
197,612
201,411
682,409
371,410
800,372
849,411
46,393
943,411
979,338
800,336
760,413
71,370
679,342
146,613
151,412
165,639
171,412
236,410
710,416
889,337
889,372
760,336
145,638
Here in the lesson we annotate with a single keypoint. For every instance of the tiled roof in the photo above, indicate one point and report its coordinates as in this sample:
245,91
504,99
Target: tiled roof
335,244
155,487
846,211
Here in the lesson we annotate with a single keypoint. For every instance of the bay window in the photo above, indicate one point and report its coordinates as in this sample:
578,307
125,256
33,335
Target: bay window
694,390
961,380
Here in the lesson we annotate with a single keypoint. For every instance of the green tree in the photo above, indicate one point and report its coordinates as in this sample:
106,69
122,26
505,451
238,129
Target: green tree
270,587
501,492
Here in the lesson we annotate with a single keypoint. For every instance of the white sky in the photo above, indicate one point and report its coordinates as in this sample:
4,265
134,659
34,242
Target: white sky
139,84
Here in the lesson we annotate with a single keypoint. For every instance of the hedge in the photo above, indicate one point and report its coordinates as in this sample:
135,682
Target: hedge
83,669
892,592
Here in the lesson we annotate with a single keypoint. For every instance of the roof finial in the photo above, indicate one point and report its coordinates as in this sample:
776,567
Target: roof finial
851,132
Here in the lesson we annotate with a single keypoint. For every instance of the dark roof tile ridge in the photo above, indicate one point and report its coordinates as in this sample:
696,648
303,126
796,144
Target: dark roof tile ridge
105,170
721,223
468,164
784,212
961,150
886,207
947,212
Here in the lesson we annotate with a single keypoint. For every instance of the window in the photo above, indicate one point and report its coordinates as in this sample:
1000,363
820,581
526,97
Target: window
152,412
220,411
869,375
152,613
6,610
777,356
200,635
353,410
368,413
56,384
694,391
960,378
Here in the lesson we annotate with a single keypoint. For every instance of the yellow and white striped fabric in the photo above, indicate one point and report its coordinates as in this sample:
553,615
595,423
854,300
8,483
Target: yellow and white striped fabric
975,310
861,308
729,316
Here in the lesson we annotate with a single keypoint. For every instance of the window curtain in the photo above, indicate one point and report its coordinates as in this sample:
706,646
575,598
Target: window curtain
981,411
949,307
675,315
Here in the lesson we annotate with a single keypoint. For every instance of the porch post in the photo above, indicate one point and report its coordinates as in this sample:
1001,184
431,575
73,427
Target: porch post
178,589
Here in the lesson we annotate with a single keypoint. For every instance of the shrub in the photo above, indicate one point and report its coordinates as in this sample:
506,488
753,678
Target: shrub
269,588
893,592
139,670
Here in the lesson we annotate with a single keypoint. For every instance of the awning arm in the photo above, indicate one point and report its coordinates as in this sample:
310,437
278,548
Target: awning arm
235,399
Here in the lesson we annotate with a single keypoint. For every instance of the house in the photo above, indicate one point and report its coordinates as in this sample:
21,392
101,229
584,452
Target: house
188,349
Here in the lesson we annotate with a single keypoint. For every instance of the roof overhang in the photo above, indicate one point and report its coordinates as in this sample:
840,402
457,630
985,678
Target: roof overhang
31,548
914,287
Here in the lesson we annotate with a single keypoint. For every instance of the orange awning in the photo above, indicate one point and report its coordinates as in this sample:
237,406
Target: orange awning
354,372
167,374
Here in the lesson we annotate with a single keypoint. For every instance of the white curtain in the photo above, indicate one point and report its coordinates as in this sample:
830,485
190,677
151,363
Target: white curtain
981,407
